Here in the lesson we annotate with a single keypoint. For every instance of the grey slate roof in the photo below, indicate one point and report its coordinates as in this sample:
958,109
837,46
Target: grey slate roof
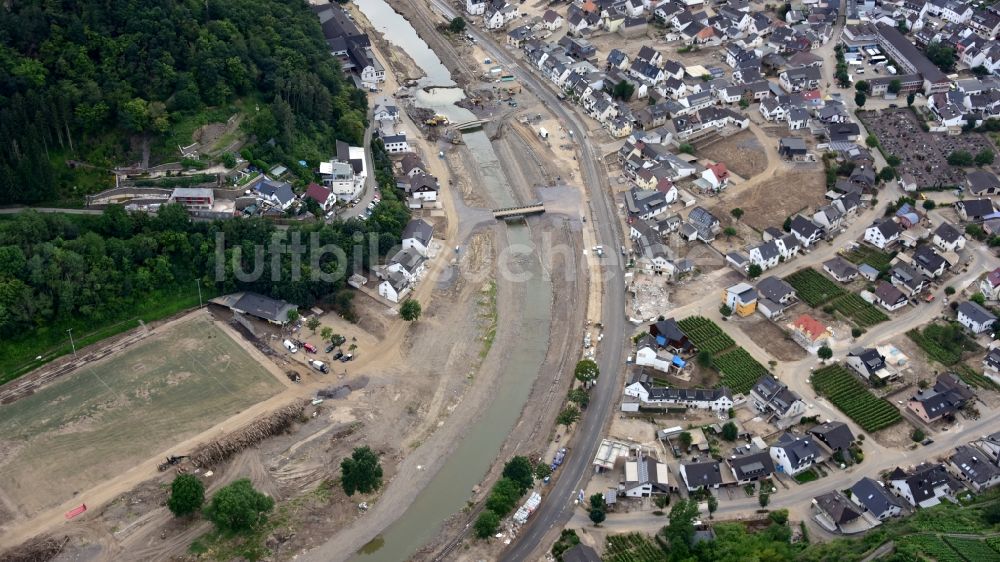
419,230
774,289
873,496
837,435
976,312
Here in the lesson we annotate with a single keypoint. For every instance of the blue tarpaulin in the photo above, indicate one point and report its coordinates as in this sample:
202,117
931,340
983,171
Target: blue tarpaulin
679,362
660,340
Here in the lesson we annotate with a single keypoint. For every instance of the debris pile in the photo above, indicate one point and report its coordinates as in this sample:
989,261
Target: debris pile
36,550
249,435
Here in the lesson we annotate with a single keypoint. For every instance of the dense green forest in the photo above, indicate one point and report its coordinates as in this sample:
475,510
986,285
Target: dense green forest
91,81
85,272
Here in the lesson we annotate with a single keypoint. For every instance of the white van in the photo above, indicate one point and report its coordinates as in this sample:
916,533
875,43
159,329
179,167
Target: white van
290,346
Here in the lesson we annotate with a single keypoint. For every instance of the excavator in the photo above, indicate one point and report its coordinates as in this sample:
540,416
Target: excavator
171,461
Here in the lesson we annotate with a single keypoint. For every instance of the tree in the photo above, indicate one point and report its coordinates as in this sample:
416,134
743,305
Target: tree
780,516
763,498
713,504
787,225
942,56
754,271
872,141
725,311
542,471
975,231
737,213
984,157
704,358
730,432
860,98
187,494
910,98
579,397
228,159
991,513
960,158
679,532
744,103
856,332
456,25
337,339
949,290
238,507
895,86
586,371
729,231
887,174
410,310
312,324
361,472
518,469
597,516
293,316
504,496
862,86
978,298
623,90
568,416
685,440
487,524
824,353
598,508
917,435
893,160
325,333
929,204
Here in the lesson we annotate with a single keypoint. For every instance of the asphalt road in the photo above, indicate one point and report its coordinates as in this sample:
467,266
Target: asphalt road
557,507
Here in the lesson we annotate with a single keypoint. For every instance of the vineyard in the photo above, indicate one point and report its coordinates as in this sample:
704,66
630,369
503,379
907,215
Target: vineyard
930,546
705,334
813,287
849,395
972,378
972,549
943,343
873,257
862,312
739,370
633,547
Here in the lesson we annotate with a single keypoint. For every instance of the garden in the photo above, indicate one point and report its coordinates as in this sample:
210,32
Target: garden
739,370
813,287
848,394
943,343
872,256
972,378
633,547
862,312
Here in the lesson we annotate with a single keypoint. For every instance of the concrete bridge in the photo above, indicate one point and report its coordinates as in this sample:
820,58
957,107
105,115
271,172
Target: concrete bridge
511,212
469,125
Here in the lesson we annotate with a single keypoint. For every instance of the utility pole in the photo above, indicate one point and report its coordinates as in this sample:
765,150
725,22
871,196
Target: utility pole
196,282
71,343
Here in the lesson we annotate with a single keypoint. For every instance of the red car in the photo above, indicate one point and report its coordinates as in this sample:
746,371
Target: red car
309,347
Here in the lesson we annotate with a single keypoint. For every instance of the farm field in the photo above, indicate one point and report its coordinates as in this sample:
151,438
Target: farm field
849,394
814,288
860,311
705,334
103,419
739,370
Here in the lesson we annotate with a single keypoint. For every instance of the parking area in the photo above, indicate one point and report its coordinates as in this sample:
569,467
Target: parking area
922,154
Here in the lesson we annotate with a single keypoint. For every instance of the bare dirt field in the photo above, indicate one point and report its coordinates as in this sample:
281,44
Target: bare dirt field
102,420
769,203
771,337
741,153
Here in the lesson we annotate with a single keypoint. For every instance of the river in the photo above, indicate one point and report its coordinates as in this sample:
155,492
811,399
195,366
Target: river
451,488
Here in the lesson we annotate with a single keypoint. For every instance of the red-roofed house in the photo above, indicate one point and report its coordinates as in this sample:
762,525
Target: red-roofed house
813,97
720,171
990,286
321,195
809,332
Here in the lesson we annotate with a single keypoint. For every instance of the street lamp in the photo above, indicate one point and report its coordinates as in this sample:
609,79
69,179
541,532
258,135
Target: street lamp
71,343
199,293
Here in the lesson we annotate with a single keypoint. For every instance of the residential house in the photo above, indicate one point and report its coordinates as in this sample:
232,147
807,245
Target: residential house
395,143
929,262
870,364
751,468
990,285
835,435
872,496
891,298
423,187
840,269
741,299
799,79
836,513
714,399
412,165
975,318
776,290
907,278
394,287
810,333
701,475
829,217
277,193
948,238
417,235
645,477
791,147
797,118
648,354
769,395
924,486
882,233
990,445
321,195
793,454
668,334
982,183
806,231
991,364
647,204
972,210
948,396
384,112
972,466
704,223
551,20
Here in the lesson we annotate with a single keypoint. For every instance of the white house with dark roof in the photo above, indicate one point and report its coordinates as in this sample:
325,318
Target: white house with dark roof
806,231
925,486
645,477
882,233
948,238
277,193
975,318
836,436
872,496
990,285
840,269
701,475
417,235
769,396
792,454
982,183
973,467
974,209
395,143
751,468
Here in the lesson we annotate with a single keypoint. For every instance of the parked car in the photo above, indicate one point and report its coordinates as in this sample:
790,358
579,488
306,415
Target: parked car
330,348
309,347
346,357
290,346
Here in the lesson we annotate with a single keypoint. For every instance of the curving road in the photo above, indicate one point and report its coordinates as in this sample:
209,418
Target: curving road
557,506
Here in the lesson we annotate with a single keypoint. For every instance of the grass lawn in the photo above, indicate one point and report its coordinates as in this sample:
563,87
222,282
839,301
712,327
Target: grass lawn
807,476
18,356
100,421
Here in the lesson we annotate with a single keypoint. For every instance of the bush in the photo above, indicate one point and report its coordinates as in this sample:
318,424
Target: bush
568,416
856,332
487,524
917,435
238,507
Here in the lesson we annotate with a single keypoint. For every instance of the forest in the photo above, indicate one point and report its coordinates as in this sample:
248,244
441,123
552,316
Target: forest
87,85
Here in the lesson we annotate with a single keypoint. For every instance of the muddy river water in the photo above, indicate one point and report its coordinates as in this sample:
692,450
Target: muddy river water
450,488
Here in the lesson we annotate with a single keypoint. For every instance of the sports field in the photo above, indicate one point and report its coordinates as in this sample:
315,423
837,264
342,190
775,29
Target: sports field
105,418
